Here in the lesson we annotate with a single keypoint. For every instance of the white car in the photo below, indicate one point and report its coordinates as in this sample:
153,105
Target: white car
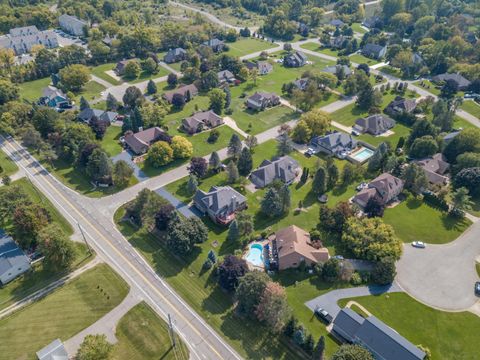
419,244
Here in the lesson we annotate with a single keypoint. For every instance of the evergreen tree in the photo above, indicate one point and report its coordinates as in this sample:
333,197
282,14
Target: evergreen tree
285,198
192,184
228,97
214,161
232,172
137,120
319,185
151,87
84,104
233,232
319,349
290,327
271,204
284,145
309,344
235,146
333,175
112,103
127,125
245,162
211,255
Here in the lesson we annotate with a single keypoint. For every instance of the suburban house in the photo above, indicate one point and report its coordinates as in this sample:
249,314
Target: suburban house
262,100
53,351
295,59
335,143
264,67
375,124
382,341
400,105
108,40
198,121
120,67
86,115
436,168
371,22
337,42
417,59
374,51
384,187
337,23
292,245
72,24
187,91
335,69
13,261
461,82
21,40
285,169
175,55
215,44
140,142
301,84
225,77
53,97
220,203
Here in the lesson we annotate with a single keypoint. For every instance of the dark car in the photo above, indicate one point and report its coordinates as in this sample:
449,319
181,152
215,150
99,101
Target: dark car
477,288
323,315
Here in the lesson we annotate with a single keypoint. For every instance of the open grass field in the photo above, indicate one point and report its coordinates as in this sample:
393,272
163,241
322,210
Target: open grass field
32,90
414,220
110,142
7,166
144,76
143,335
360,59
244,46
90,91
100,71
320,49
62,314
448,335
472,108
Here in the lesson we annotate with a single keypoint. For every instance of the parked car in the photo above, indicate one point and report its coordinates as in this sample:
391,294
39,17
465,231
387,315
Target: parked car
338,257
477,288
323,314
419,244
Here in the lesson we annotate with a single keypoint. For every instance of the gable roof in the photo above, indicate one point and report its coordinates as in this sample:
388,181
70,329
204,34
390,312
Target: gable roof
11,256
283,168
386,187
400,104
53,351
225,75
138,141
348,321
88,113
51,92
435,168
297,57
203,117
337,23
334,140
373,49
213,42
264,67
219,199
459,79
22,39
334,68
375,124
182,90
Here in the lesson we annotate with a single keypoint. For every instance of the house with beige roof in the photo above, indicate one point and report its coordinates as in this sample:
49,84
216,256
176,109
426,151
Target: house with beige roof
292,245
436,169
384,187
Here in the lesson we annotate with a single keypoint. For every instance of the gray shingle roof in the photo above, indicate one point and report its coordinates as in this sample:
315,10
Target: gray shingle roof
21,40
219,200
459,79
284,168
53,351
372,50
336,141
348,321
11,256
374,124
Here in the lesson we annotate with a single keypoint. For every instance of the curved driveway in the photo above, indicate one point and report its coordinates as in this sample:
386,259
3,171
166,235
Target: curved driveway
443,276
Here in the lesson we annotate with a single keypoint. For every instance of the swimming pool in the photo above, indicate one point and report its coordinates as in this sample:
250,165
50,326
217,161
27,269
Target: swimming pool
362,155
255,255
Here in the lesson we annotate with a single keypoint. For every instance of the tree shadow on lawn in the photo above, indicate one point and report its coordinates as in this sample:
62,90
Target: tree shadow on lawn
262,222
218,301
453,223
413,203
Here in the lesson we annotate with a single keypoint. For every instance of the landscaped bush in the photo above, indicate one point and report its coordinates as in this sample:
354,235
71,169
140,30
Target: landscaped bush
433,200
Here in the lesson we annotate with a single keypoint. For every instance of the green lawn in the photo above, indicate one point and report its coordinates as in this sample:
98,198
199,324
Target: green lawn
414,220
143,335
472,108
387,69
428,86
62,314
244,46
202,147
448,335
144,76
357,27
110,142
100,71
360,59
316,47
32,90
173,120
7,166
477,267
90,91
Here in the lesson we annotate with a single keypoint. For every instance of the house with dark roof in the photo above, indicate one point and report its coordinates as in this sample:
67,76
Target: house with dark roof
220,203
374,51
175,55
187,91
215,44
384,187
382,341
295,59
53,351
450,136
337,23
334,143
140,142
13,261
371,22
54,98
375,124
337,42
301,84
461,82
225,77
284,169
21,40
86,115
400,105
335,69
72,25
262,100
121,65
201,120
436,169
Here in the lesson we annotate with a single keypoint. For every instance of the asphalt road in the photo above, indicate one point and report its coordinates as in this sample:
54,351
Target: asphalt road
103,236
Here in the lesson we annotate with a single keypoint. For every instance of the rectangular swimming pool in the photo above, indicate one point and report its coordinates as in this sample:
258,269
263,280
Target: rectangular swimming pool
362,155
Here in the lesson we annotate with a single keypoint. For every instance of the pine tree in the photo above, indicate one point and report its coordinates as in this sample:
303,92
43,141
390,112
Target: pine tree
151,87
290,327
211,255
112,103
138,122
235,146
192,184
333,175
232,171
214,161
228,97
284,145
271,204
319,185
285,198
319,349
233,232
245,162
309,344
84,104
127,125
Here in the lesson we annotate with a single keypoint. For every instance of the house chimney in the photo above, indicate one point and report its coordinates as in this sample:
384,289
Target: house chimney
233,203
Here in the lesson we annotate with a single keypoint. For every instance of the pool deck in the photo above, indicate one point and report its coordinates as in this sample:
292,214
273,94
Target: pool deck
360,149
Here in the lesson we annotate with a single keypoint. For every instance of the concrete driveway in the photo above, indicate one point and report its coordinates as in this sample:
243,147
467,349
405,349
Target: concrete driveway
442,276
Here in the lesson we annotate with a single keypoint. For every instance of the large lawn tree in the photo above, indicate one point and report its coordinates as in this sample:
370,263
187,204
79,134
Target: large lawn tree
74,77
122,173
230,271
160,154
95,347
249,291
58,250
273,308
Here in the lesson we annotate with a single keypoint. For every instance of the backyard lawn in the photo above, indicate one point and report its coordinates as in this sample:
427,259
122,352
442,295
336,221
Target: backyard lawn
32,90
244,46
90,91
428,86
320,49
143,335
357,27
144,76
448,335
62,314
110,142
413,220
360,59
471,107
100,71
7,166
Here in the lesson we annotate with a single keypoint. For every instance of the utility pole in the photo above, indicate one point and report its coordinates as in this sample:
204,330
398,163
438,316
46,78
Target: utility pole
84,238
172,332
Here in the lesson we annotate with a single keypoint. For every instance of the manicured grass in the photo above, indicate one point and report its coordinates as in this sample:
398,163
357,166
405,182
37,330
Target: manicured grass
143,335
144,76
387,69
472,108
7,166
100,71
448,335
173,120
477,267
61,314
318,48
110,142
357,27
360,59
244,46
413,220
202,147
32,90
428,86
90,91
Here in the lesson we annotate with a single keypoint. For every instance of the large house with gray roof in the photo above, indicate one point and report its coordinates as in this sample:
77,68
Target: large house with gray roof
72,24
86,115
436,169
400,105
295,59
284,169
220,203
336,69
53,351
13,261
385,188
376,124
382,341
175,55
374,51
335,143
461,82
262,100
21,40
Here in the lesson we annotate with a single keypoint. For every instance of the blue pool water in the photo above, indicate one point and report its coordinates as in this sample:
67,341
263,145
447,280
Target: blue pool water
362,155
255,255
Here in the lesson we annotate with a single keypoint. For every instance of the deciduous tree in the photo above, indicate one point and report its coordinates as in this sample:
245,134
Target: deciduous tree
273,307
